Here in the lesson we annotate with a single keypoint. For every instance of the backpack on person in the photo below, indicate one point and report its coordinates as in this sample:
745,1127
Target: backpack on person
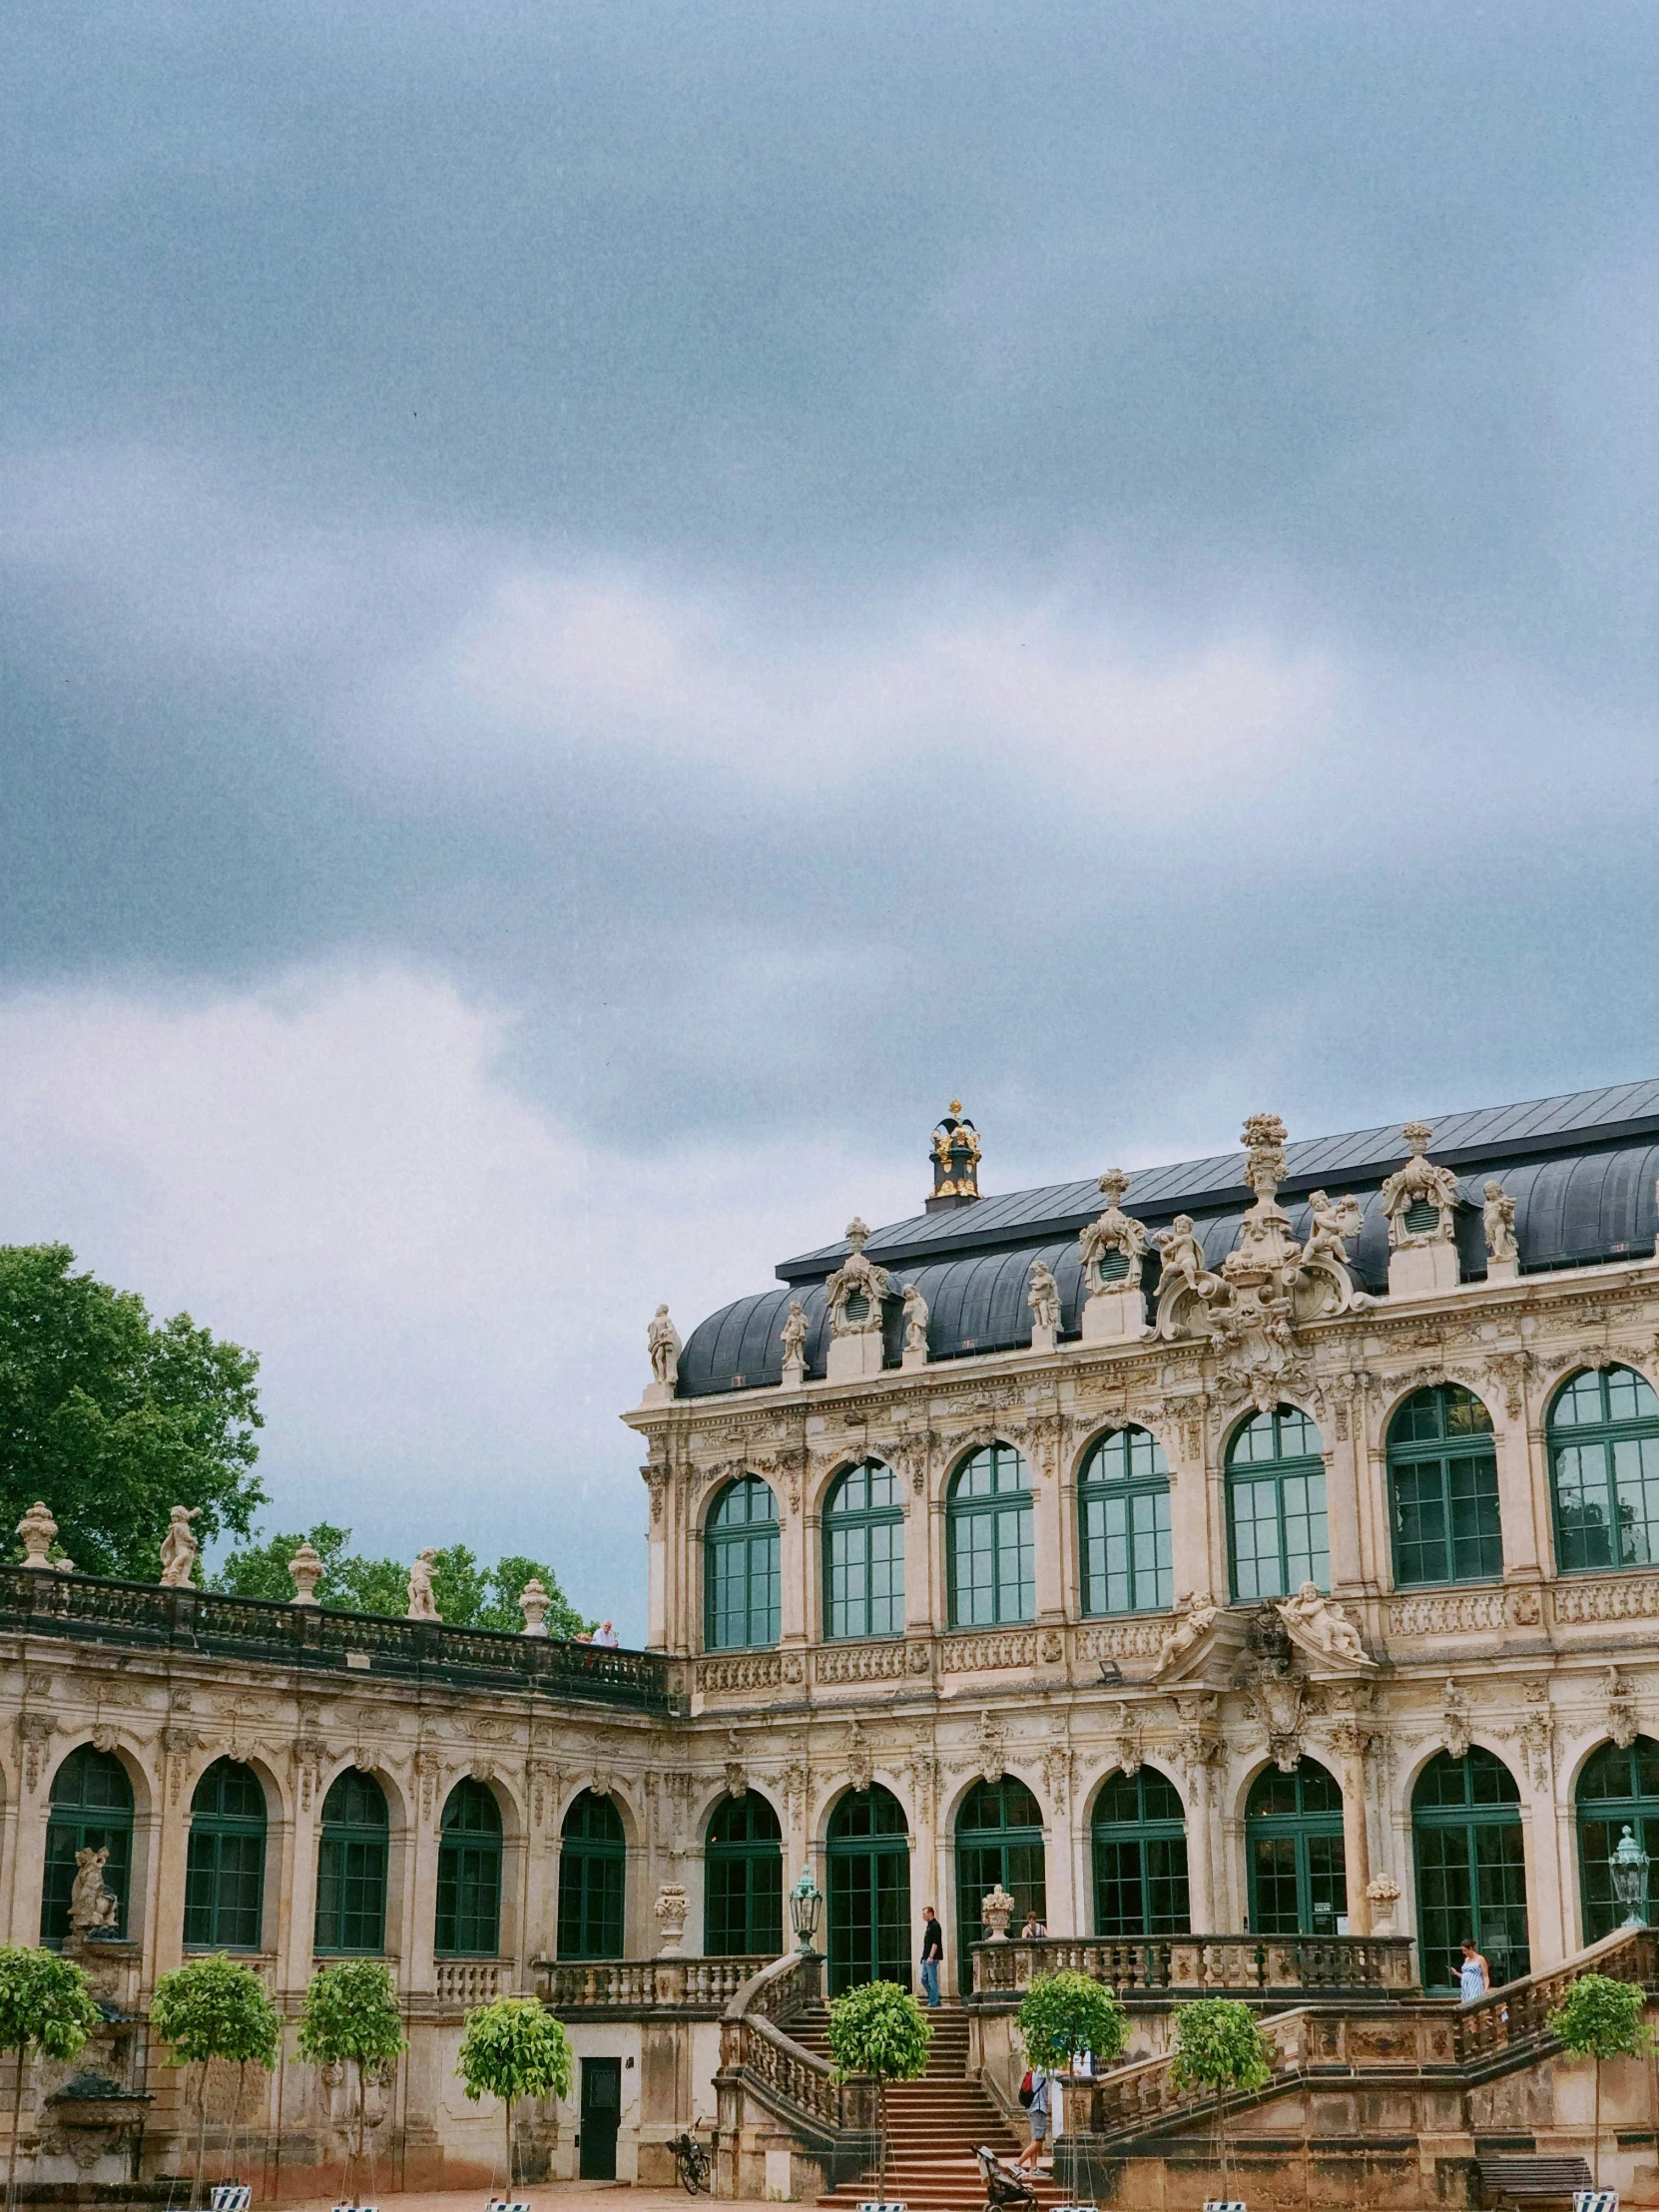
1027,2090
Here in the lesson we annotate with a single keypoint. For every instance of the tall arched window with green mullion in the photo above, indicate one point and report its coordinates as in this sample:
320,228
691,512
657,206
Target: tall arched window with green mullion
351,1858
467,1924
1139,1833
1276,1525
742,1879
1123,1525
989,1521
1443,1489
91,1810
592,1880
1604,1472
864,1554
742,1579
225,1864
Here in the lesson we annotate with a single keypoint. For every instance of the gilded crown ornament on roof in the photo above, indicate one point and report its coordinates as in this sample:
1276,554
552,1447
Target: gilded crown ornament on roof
954,1151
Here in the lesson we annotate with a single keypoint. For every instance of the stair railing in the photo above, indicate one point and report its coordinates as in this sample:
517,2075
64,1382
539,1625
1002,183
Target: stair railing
1133,2098
1517,2012
837,2121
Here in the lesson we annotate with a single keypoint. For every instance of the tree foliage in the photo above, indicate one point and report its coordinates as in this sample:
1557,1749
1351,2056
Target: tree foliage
46,2004
114,1419
1601,2018
350,2012
1066,2012
212,2007
1218,2047
515,2048
878,2028
467,1595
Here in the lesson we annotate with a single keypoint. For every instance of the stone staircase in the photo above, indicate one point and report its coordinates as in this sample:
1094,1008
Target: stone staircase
933,2125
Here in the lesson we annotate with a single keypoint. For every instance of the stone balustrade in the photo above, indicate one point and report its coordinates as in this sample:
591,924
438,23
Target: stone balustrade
1209,1966
686,1985
469,1981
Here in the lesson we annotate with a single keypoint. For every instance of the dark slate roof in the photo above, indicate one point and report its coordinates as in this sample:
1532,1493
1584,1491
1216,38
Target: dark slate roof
1580,1168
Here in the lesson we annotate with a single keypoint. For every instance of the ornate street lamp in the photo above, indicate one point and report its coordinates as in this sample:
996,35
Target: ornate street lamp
1628,1866
805,1904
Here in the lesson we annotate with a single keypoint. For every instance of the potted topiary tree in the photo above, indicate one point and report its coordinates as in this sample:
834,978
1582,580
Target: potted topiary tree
46,2004
1065,2014
511,2049
349,2017
879,2030
212,2008
1601,2018
1219,2047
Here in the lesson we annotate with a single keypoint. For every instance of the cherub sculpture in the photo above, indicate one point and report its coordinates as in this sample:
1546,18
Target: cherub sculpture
93,1904
1499,1212
422,1605
793,1336
179,1548
1043,1297
915,1319
1311,1616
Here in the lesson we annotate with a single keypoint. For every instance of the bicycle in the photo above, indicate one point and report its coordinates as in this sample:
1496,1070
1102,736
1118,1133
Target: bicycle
693,2166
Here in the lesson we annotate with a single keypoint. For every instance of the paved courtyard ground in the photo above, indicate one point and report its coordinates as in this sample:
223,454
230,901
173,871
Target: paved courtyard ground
558,2196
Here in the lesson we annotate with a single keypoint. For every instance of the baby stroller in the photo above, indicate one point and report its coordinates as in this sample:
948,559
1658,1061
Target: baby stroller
1003,2186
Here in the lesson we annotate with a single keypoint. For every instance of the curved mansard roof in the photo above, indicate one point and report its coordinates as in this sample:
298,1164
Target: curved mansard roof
1580,1168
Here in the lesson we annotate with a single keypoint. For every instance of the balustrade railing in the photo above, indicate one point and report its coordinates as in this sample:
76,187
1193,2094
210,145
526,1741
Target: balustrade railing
1143,2095
754,2045
705,1986
1518,2012
472,1981
1203,1964
95,1610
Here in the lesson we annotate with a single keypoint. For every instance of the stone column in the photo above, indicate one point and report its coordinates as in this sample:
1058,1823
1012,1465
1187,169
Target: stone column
170,1840
795,1554
1047,1532
1347,1480
1522,1473
1193,1547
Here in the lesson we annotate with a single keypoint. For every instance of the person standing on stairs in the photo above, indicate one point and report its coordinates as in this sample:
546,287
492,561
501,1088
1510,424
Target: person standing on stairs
1037,2113
933,1952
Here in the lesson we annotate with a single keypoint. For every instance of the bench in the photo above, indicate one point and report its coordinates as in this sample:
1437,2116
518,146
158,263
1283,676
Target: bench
1528,2183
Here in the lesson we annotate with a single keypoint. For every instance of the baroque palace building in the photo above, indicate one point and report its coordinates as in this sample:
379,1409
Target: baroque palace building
1250,1567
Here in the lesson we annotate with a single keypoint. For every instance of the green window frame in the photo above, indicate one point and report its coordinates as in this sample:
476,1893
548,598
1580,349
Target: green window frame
1123,1525
988,1541
1470,1862
1443,1489
1616,1790
1603,1436
225,1862
1294,1852
592,1880
91,1810
999,1837
867,1869
742,1576
352,1861
1277,1537
742,1879
467,1920
864,1554
1138,1835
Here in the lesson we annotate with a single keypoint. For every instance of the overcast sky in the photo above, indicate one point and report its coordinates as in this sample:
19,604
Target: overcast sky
603,605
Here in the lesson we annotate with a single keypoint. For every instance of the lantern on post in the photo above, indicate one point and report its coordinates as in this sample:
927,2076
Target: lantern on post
1628,1865
805,1904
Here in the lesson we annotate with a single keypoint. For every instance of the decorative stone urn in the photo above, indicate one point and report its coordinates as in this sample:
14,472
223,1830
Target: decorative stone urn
39,1532
997,1910
533,1602
671,1909
1384,1892
307,1569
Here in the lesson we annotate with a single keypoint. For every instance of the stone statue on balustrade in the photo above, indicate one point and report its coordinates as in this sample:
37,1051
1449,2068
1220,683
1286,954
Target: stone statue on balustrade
1502,1251
1043,1297
423,1605
661,1341
1323,1629
914,1352
179,1548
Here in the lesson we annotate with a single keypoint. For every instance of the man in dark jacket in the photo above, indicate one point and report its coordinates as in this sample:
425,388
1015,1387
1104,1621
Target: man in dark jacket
933,1952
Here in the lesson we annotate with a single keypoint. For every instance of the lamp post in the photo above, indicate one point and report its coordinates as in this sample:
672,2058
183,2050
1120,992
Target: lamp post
806,1902
1628,1866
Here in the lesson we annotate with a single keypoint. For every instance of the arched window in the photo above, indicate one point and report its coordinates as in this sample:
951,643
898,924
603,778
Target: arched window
1443,1489
1123,1525
864,1554
351,1866
468,1919
992,1578
1604,1472
1617,1790
868,1857
91,1810
999,1837
743,1868
740,1574
1140,1857
1471,1868
592,1881
224,1871
1293,1838
1276,1507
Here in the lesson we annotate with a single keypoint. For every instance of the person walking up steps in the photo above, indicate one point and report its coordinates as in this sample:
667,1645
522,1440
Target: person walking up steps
933,1952
1036,2111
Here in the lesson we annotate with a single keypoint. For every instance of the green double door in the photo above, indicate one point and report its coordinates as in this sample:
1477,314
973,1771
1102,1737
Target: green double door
1471,1867
1294,1842
868,1865
999,1838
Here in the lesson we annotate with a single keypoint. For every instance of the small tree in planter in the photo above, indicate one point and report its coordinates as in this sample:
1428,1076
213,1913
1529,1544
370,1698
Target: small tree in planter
879,2030
349,2017
46,2004
212,2008
511,2049
1219,2047
1601,2018
1067,2013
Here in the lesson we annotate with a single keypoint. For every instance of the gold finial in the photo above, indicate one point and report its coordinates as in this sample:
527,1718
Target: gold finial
954,1151
956,1105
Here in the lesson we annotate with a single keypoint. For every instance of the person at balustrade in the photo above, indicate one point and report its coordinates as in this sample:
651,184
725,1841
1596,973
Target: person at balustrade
1475,1977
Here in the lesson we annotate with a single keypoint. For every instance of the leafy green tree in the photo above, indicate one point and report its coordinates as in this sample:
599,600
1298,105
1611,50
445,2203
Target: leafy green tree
349,2017
46,2004
1219,2047
114,1419
212,2008
1066,2012
468,1596
879,2030
511,2049
1601,2018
